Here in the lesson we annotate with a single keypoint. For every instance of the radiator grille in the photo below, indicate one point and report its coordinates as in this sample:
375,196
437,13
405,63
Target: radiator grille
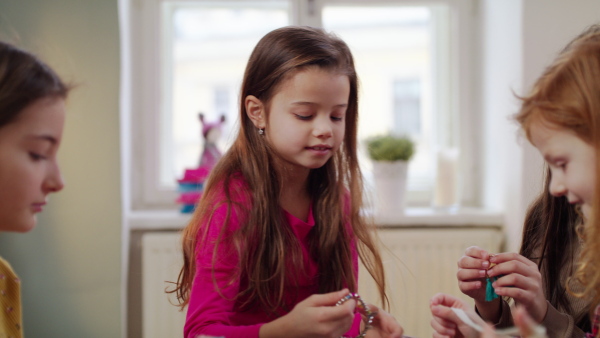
418,264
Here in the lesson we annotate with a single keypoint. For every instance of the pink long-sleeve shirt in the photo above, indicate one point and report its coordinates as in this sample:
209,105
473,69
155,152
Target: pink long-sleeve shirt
214,314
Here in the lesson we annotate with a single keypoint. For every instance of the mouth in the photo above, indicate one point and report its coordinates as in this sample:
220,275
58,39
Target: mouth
38,207
319,148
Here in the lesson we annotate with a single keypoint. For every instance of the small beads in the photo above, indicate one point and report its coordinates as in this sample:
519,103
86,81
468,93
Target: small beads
363,309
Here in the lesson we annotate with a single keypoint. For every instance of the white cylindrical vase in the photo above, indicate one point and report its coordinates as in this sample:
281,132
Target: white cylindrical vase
446,184
390,187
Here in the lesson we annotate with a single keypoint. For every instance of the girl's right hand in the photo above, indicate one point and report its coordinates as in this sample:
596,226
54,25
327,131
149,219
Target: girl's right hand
472,267
316,316
520,279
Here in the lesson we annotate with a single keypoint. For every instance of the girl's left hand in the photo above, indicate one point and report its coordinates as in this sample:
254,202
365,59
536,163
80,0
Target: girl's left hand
520,279
384,325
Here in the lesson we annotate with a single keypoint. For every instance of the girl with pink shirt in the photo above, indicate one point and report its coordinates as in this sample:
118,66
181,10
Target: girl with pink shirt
274,243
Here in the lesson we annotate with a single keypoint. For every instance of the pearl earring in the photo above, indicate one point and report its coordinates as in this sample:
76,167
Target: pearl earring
261,131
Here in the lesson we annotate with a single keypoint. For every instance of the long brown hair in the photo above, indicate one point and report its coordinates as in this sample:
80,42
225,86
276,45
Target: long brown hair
567,96
550,239
266,243
24,79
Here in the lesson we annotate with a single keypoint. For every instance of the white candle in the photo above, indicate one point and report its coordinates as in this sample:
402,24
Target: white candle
446,183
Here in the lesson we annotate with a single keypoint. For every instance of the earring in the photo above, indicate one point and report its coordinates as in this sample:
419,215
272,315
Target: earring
261,131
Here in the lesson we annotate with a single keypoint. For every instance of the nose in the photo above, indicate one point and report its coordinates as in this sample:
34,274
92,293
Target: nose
322,128
54,181
557,186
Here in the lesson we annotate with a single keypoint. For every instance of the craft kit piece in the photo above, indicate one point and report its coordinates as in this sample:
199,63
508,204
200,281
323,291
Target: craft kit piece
490,294
363,309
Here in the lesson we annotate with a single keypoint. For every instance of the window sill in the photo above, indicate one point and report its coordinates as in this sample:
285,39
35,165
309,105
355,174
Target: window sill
412,217
431,217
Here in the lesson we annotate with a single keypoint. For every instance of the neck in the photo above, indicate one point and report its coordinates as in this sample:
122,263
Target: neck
294,196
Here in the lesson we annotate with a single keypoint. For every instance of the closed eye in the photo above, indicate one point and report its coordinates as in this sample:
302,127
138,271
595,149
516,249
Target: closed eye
559,164
36,156
336,118
303,117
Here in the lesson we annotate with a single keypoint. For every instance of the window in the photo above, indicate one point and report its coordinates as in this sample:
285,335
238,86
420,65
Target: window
407,57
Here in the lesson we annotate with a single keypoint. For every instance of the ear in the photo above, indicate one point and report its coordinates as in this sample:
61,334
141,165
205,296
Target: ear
255,111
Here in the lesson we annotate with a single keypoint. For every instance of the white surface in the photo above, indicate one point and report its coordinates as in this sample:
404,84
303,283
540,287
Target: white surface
460,217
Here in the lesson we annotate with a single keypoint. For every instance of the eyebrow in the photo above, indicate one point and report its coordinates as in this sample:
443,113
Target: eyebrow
305,103
553,158
47,138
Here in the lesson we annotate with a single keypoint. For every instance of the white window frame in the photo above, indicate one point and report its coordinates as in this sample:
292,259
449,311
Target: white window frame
147,83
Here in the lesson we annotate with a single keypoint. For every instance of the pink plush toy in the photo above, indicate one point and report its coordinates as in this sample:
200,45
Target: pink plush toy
192,183
211,131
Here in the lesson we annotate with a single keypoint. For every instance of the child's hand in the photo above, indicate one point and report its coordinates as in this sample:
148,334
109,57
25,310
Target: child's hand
522,281
471,276
384,325
316,316
528,328
446,323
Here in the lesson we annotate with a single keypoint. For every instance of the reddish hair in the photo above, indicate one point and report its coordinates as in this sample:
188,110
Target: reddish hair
567,96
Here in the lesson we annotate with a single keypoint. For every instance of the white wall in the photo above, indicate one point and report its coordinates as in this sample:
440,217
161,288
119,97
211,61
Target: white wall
501,75
70,264
520,38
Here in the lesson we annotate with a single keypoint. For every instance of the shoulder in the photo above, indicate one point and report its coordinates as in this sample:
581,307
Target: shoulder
226,201
233,189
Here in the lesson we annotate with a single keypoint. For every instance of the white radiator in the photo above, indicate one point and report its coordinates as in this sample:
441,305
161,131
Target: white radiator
161,262
418,264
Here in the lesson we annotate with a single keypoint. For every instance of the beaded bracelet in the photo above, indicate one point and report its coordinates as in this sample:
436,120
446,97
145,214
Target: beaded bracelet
363,309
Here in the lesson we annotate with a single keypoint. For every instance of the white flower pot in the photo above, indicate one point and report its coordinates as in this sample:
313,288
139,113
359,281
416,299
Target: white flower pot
390,187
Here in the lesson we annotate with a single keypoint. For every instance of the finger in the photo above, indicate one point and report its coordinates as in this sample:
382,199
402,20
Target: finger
469,286
526,324
510,256
335,313
447,301
515,280
467,262
327,299
514,266
443,326
519,295
488,331
470,274
477,252
445,313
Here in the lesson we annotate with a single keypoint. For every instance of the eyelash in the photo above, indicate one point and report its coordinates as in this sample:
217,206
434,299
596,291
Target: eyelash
306,118
560,164
36,157
302,117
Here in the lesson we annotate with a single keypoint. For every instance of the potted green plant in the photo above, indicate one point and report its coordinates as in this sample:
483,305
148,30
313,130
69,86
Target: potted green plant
390,155
390,148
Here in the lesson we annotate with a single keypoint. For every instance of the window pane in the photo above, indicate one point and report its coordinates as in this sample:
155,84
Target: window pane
394,50
207,48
